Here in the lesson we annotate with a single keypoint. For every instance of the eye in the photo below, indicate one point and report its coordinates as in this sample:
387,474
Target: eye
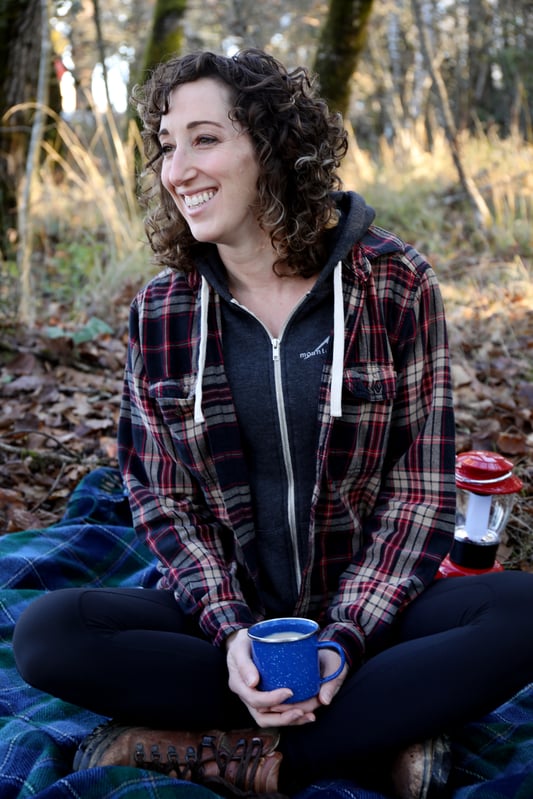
205,140
166,150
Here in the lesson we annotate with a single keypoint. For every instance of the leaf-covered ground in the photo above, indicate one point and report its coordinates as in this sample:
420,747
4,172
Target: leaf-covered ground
60,403
60,398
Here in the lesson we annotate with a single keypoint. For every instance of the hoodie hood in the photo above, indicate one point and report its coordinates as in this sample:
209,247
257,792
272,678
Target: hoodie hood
355,217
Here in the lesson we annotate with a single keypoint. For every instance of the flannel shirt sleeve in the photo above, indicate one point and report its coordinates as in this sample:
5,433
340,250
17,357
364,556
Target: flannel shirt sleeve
194,550
411,527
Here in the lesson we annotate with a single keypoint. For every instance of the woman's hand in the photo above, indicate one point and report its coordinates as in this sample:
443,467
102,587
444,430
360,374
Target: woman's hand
266,707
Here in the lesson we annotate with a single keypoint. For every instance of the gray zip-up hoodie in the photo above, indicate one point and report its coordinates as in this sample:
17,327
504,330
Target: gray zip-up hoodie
275,384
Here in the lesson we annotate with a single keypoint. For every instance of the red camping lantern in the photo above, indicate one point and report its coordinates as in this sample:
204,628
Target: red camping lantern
486,490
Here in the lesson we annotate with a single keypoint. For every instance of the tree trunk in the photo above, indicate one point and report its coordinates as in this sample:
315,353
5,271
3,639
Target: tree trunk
392,109
84,45
341,42
26,313
101,49
479,41
19,19
166,38
481,210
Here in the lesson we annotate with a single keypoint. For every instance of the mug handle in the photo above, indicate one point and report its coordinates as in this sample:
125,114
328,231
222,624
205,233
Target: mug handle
340,651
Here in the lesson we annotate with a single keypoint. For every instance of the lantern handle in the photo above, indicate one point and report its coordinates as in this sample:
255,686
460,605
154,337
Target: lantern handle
464,479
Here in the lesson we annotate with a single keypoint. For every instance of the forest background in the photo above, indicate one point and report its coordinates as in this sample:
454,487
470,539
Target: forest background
437,98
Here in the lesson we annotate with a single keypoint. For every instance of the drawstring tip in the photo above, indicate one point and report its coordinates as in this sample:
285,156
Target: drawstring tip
335,411
199,417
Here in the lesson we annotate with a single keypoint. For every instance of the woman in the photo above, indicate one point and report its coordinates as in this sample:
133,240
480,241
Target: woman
287,440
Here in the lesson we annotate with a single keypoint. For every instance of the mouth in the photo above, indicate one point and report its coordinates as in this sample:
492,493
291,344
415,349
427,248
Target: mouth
196,200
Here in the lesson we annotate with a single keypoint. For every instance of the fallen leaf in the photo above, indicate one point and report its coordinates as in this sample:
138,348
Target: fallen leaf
512,443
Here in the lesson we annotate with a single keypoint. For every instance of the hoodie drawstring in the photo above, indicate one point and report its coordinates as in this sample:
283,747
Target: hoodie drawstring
337,366
202,348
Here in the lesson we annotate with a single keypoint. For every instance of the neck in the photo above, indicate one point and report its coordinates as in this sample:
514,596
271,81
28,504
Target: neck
270,296
250,268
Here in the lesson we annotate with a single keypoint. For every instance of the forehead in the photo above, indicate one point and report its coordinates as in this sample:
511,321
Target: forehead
205,98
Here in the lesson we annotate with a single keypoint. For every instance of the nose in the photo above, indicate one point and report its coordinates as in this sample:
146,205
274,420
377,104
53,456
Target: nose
180,165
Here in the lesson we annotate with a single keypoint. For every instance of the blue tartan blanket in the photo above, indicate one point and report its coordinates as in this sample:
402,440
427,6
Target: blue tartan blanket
94,544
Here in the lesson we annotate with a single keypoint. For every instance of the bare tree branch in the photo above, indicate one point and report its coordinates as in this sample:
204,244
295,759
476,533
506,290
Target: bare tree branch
475,198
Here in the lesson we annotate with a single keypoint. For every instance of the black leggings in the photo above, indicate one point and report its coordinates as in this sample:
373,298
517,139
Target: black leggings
459,650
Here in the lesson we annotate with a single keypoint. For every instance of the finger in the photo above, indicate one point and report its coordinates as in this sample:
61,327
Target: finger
266,700
294,718
290,718
307,718
307,706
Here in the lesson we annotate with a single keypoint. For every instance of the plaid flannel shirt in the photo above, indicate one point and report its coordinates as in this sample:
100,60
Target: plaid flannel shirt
383,507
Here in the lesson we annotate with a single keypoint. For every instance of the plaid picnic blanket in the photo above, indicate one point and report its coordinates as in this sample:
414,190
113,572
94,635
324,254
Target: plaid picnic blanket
94,544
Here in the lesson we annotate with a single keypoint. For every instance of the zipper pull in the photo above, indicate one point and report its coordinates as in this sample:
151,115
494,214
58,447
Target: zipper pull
275,349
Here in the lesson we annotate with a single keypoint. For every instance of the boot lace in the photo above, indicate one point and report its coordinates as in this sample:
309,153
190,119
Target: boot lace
247,752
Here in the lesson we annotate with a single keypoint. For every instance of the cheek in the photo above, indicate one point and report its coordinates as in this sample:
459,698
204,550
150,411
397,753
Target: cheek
248,176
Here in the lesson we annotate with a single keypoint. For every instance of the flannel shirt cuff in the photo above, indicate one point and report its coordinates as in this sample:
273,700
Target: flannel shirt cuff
219,621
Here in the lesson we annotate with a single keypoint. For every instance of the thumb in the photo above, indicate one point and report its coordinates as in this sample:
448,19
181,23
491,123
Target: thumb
329,690
250,676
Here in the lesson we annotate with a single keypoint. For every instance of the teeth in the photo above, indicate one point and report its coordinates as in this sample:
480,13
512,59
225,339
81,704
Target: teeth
194,200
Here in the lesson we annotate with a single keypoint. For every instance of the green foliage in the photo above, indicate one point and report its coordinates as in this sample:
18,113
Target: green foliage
91,330
8,290
70,268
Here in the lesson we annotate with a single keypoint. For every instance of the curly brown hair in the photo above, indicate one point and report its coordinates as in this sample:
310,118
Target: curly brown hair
299,145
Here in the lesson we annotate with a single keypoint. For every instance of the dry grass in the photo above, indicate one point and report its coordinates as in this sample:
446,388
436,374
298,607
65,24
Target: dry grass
88,234
416,194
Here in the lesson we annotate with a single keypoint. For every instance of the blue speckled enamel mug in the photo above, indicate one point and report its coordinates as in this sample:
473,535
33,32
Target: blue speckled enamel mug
285,652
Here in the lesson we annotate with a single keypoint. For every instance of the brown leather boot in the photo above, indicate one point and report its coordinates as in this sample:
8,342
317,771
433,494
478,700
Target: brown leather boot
421,771
245,759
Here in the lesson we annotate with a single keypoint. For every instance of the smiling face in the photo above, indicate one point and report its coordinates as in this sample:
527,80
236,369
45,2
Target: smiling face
209,165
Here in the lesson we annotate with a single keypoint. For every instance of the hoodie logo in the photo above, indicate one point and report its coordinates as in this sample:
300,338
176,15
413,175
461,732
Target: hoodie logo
320,350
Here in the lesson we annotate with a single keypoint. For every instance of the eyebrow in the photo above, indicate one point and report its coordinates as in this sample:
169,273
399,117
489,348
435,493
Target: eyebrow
194,124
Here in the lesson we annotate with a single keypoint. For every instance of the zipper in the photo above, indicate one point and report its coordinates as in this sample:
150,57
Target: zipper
289,471
284,433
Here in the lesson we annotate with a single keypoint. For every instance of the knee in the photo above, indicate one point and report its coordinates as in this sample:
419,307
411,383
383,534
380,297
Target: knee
507,613
512,589
36,642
